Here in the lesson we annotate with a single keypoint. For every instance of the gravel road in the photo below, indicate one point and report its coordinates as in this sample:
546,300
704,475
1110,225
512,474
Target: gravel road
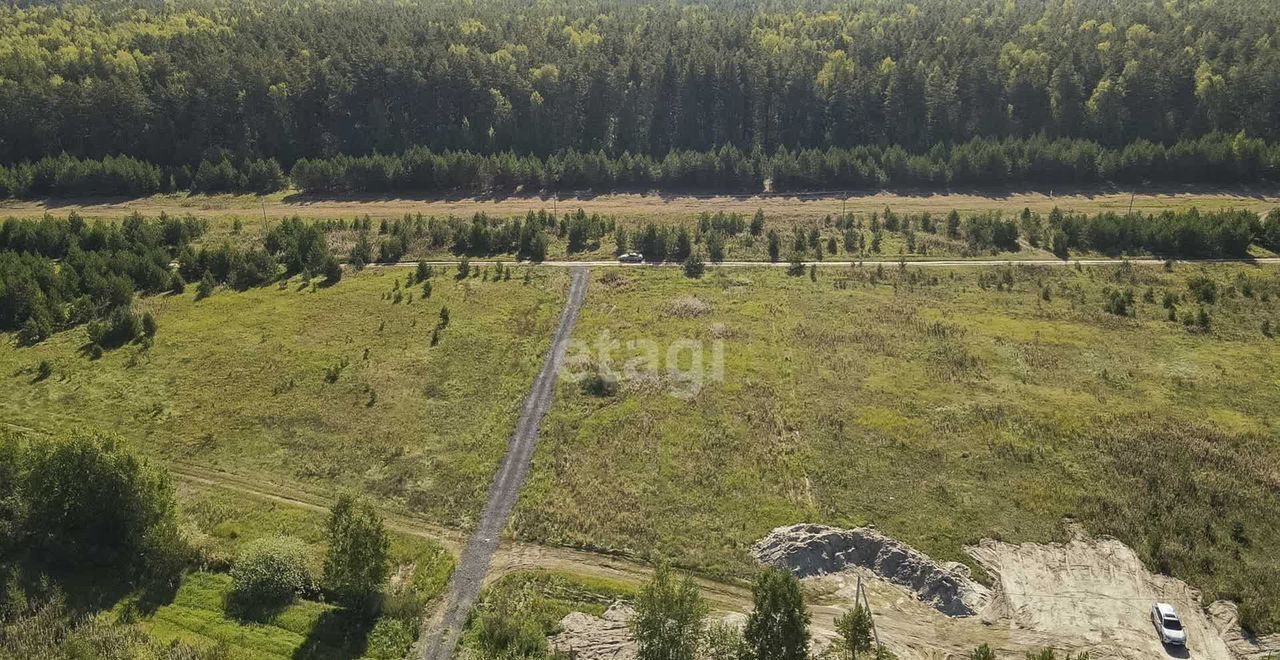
443,631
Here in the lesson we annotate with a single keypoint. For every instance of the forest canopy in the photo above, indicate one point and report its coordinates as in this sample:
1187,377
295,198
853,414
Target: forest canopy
228,95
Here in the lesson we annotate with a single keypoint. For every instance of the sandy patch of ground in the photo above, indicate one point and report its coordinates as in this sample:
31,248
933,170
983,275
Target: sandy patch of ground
1226,618
1095,593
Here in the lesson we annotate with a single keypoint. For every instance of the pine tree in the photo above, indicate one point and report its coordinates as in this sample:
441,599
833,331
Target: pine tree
778,627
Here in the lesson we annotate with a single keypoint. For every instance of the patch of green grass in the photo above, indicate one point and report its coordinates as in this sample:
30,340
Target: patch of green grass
933,405
197,616
242,381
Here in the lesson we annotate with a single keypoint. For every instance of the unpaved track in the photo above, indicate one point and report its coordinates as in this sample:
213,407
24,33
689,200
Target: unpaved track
464,586
941,263
660,206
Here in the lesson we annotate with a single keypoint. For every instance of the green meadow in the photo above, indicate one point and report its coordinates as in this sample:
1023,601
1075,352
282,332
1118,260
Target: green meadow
942,406
336,387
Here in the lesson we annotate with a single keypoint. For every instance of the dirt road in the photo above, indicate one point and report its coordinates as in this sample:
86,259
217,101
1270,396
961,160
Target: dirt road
473,565
660,206
941,263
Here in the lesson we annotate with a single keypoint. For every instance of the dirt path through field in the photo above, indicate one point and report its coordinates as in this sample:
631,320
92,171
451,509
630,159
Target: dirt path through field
473,565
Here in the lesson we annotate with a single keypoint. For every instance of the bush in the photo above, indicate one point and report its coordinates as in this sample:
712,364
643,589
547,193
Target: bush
269,573
205,288
391,639
723,641
855,628
149,325
504,634
599,385
121,326
693,266
983,652
1203,289
332,270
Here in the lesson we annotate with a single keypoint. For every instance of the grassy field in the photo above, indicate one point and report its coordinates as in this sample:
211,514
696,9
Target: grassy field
219,522
335,387
941,406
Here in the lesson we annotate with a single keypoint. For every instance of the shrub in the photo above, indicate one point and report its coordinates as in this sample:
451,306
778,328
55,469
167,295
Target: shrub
503,634
723,641
597,384
854,627
34,330
983,652
269,573
332,270
149,325
391,639
693,266
121,326
205,288
1203,289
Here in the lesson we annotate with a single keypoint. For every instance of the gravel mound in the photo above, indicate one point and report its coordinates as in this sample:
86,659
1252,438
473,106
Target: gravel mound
808,550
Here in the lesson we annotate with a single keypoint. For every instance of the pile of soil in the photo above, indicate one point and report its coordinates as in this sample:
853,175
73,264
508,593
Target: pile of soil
810,550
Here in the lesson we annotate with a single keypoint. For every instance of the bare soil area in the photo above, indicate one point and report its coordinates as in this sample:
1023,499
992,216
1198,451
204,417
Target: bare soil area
1095,592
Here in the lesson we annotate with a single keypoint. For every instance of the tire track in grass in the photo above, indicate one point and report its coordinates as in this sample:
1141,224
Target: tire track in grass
442,632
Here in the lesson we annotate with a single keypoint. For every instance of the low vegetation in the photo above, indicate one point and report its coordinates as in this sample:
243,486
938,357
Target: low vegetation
339,385
942,405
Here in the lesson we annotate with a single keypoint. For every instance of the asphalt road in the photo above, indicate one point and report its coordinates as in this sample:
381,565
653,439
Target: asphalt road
464,586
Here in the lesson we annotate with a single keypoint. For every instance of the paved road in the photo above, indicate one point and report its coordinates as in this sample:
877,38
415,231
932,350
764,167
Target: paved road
950,263
467,579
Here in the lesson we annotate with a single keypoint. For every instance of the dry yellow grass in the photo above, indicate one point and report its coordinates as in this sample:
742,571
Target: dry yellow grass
657,206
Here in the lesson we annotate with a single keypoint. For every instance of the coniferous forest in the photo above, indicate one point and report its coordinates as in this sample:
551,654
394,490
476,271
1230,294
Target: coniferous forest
112,97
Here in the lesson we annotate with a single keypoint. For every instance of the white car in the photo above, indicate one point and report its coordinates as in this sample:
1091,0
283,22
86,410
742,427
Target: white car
1168,625
631,258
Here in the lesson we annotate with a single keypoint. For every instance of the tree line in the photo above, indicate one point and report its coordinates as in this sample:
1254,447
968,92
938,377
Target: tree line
193,80
979,162
61,273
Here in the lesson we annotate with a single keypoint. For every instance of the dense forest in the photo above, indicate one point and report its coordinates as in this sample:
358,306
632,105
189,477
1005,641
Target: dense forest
135,97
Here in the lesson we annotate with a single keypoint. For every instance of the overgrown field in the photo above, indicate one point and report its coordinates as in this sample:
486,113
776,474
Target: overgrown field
941,406
337,386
